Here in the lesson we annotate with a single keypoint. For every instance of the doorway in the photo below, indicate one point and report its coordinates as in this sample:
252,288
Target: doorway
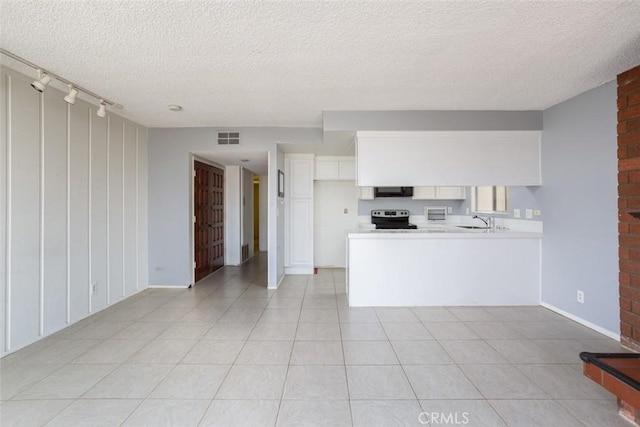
208,189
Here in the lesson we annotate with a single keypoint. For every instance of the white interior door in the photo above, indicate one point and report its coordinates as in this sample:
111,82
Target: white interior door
335,212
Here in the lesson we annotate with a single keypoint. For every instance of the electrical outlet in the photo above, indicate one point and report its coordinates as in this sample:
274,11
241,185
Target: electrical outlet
94,287
528,213
449,209
580,297
516,213
536,212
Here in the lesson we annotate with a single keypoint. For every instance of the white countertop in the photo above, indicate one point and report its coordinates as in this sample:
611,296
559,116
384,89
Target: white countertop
443,232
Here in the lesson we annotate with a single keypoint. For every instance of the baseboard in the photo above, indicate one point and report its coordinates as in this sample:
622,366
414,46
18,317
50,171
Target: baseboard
298,270
583,322
168,286
85,317
248,259
277,284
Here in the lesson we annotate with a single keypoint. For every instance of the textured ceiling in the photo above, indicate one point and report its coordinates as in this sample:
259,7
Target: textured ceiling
244,63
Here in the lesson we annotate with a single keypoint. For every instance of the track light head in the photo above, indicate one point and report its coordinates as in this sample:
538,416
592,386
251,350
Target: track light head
102,110
41,84
72,95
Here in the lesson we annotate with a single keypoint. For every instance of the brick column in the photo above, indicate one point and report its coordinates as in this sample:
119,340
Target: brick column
629,205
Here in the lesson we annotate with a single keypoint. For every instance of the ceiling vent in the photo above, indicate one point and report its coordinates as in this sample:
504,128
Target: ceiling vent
228,138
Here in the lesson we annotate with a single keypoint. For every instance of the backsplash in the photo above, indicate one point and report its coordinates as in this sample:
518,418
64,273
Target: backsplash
415,207
522,198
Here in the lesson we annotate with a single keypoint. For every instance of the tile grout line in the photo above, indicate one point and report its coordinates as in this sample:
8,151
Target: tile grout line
338,301
404,372
286,375
344,360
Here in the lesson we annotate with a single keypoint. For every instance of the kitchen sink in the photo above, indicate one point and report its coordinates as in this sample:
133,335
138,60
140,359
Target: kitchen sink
472,227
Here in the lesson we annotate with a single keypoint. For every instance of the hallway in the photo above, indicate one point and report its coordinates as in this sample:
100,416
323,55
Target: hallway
229,352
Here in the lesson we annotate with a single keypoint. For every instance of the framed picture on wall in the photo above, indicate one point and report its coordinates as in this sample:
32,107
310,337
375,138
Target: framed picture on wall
280,183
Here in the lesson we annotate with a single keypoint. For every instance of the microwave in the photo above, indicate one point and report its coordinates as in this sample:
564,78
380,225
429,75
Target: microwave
393,192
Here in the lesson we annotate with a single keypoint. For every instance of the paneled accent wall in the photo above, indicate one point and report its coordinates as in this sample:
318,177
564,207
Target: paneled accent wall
629,205
73,211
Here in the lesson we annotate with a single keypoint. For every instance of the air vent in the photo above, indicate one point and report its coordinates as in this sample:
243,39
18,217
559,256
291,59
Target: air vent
228,138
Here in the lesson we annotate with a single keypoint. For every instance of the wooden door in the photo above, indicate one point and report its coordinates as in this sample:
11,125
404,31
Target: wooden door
208,187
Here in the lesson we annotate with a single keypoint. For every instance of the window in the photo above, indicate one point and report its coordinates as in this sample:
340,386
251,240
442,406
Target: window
489,198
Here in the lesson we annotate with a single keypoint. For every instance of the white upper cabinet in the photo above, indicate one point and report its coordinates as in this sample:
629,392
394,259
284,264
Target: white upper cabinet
366,193
451,193
347,169
300,176
458,158
335,169
439,193
424,193
326,170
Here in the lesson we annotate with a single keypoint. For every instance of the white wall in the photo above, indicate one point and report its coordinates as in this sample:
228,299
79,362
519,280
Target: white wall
170,184
247,209
238,211
579,204
278,218
232,215
74,210
263,188
330,222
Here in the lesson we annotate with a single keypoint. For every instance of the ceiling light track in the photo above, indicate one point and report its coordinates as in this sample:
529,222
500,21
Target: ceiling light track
45,76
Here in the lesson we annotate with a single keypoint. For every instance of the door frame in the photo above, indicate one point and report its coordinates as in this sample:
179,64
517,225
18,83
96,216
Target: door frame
192,212
273,206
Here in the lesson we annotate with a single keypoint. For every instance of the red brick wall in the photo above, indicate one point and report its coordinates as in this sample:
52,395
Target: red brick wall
629,202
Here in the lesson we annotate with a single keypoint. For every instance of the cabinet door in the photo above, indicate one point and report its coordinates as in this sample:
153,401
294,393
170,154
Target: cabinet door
424,193
327,170
301,234
347,170
450,193
366,193
301,179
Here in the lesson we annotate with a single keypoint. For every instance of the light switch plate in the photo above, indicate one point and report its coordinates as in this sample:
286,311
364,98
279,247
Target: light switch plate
449,209
528,213
516,213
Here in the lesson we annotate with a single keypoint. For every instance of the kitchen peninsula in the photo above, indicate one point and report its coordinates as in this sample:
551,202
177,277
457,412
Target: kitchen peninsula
443,266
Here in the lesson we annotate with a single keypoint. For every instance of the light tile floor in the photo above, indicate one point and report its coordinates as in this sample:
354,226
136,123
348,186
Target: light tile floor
229,352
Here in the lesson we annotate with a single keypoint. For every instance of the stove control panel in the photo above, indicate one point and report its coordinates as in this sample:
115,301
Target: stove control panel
389,213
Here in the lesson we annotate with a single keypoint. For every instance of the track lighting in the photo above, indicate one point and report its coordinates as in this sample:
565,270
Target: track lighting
45,77
42,83
72,95
102,111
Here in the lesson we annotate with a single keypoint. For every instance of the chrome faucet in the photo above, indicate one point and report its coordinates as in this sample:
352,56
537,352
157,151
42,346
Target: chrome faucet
487,221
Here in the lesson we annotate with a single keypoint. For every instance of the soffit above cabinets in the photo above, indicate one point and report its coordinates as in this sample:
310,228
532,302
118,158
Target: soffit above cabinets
448,158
